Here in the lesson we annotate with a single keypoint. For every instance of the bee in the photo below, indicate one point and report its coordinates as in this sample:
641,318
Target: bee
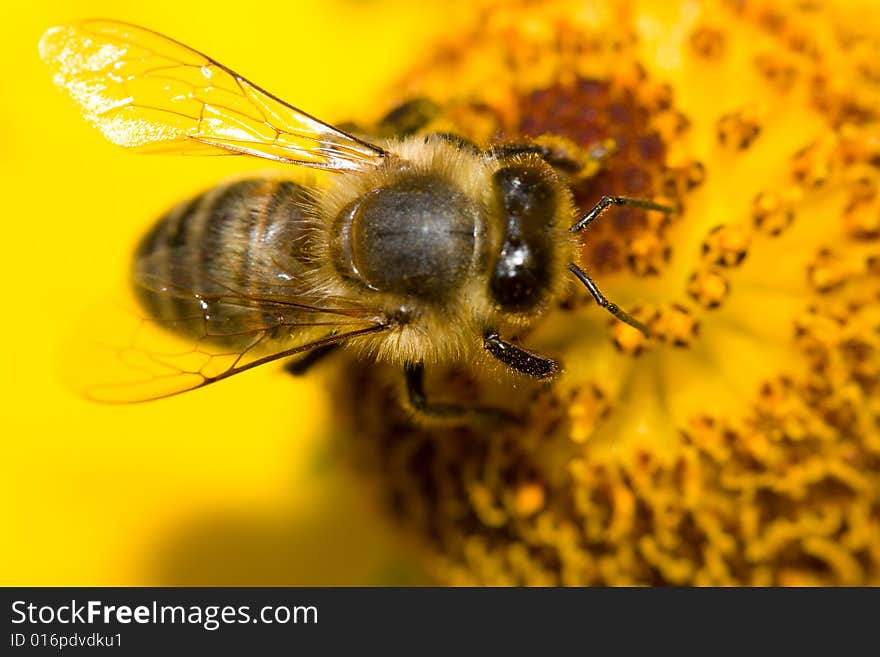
416,251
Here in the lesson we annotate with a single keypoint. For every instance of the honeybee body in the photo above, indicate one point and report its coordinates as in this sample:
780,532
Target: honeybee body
420,250
428,239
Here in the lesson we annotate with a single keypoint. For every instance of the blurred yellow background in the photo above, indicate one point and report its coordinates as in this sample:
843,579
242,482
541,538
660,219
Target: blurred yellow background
232,484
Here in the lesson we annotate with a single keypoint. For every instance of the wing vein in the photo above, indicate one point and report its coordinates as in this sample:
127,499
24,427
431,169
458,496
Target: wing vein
130,82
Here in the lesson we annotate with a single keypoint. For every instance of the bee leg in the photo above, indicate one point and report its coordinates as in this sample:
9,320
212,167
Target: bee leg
517,358
463,143
300,366
563,155
415,388
607,201
600,298
408,118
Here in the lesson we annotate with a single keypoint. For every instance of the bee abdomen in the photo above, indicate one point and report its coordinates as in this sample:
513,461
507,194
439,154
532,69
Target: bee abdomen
236,236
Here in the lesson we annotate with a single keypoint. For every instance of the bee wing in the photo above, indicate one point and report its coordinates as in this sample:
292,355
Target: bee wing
207,332
149,92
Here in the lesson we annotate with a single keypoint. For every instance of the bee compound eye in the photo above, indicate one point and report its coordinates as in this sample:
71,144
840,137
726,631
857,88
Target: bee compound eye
522,273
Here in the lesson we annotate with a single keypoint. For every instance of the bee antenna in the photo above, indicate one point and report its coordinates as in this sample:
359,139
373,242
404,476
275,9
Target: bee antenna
603,301
607,201
604,203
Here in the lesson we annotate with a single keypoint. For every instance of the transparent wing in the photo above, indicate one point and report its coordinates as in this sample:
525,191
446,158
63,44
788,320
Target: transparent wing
146,91
175,339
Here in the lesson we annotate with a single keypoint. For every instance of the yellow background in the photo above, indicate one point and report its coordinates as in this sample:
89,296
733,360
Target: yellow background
231,484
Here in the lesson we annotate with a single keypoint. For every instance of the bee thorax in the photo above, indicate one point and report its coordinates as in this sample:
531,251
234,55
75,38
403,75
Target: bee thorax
415,236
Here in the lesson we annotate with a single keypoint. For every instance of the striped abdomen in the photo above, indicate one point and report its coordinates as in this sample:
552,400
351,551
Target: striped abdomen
247,235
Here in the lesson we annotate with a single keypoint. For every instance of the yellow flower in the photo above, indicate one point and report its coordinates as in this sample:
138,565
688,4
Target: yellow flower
741,444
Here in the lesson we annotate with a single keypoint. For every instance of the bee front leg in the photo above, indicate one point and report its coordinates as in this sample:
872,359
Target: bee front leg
415,387
517,358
